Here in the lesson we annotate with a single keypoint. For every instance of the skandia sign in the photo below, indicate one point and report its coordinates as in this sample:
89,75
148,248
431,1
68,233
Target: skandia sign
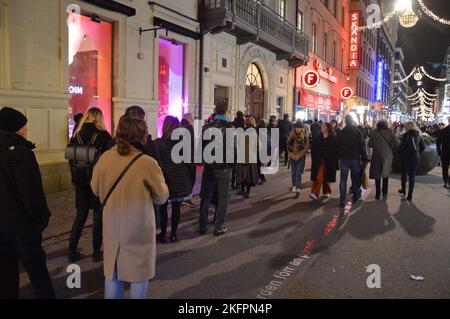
327,74
355,40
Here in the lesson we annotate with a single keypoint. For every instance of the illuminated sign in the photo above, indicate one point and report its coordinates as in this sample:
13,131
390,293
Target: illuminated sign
76,90
355,40
326,74
346,93
311,79
380,80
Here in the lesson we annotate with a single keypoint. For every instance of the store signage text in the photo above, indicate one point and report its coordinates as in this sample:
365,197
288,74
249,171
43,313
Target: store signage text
311,79
346,93
76,90
327,74
314,101
355,40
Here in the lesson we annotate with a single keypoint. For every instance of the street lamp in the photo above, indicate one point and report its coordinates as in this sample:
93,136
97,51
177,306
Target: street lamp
402,5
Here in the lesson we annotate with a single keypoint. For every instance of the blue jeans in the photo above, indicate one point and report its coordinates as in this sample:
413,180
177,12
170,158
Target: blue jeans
354,166
114,289
297,168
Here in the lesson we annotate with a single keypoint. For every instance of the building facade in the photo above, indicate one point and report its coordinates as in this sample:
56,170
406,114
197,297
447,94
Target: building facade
62,57
326,24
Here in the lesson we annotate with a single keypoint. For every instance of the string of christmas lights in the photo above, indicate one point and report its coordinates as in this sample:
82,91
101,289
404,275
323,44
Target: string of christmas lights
431,77
431,14
406,78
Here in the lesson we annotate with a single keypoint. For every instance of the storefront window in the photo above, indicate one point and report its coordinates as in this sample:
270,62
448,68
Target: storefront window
170,81
90,67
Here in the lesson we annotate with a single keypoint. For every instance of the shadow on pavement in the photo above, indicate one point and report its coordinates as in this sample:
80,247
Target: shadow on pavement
415,222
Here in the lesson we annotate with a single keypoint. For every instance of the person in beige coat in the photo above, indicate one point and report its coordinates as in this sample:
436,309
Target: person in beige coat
129,230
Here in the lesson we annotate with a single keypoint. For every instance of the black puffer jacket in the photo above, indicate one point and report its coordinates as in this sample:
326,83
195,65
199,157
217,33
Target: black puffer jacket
176,175
84,198
24,211
411,146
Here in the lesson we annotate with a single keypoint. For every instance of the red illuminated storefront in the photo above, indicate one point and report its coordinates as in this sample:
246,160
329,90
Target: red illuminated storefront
325,108
90,67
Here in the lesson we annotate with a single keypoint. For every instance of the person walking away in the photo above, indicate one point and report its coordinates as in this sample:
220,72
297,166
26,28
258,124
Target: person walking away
384,144
129,183
324,159
92,132
263,135
352,156
443,148
248,172
316,127
216,174
24,212
298,146
188,123
285,128
409,150
177,179
239,122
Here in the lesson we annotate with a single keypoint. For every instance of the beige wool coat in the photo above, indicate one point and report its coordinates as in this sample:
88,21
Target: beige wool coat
129,227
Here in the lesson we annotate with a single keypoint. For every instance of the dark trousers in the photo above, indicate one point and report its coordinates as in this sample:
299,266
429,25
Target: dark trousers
385,186
192,175
354,167
284,149
33,258
175,217
77,229
409,169
211,179
445,165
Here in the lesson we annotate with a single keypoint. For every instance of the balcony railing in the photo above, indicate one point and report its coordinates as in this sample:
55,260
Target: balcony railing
253,20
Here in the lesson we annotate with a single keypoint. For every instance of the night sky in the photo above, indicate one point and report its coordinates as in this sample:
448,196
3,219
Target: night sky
427,41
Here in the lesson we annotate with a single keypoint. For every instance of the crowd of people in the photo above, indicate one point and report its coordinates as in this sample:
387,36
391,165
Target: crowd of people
131,183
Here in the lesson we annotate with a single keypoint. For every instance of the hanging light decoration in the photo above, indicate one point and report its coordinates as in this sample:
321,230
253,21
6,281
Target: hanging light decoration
431,14
408,18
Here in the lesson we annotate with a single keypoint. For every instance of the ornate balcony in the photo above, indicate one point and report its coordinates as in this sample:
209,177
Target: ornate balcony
253,21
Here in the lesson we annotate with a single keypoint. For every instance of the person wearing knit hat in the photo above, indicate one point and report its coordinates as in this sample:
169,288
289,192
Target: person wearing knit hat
24,214
12,120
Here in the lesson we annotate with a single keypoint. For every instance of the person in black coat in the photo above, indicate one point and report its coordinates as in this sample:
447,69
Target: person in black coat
177,179
409,150
91,131
24,212
187,122
285,128
443,149
324,160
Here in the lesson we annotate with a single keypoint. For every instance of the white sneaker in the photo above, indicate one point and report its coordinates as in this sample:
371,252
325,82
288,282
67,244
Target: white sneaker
327,195
294,189
313,196
298,191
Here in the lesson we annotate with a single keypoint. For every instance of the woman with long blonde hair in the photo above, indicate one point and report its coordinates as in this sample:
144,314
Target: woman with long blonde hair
298,146
91,131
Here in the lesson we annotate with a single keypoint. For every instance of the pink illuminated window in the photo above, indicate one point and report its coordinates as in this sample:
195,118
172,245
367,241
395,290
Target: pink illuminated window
90,66
170,81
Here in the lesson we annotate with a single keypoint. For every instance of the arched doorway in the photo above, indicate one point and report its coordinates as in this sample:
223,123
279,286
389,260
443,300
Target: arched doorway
254,92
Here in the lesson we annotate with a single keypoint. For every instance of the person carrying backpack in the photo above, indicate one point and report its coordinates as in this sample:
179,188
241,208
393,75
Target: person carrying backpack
90,135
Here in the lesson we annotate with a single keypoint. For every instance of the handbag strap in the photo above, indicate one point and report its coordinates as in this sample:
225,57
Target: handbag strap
386,140
120,178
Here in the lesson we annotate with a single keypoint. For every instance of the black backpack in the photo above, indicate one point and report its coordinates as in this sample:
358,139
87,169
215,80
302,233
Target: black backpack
82,159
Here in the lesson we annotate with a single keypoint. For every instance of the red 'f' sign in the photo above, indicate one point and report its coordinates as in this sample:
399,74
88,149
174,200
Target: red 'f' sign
311,79
346,93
